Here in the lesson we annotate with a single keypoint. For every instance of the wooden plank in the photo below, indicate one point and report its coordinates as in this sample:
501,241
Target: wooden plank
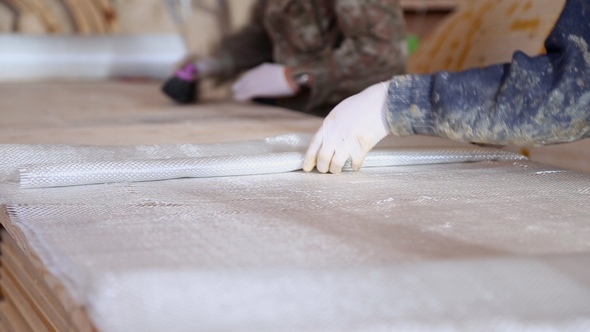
4,323
92,16
123,113
23,304
486,32
11,319
10,231
18,262
46,305
2,235
76,313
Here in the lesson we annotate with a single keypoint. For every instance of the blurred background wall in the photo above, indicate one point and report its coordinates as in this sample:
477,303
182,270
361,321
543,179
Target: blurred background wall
97,39
148,16
121,17
64,38
88,17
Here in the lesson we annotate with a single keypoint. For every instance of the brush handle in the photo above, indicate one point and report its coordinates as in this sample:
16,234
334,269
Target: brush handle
187,73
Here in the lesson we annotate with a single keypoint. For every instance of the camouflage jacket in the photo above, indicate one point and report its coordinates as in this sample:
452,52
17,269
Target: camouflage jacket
346,45
530,101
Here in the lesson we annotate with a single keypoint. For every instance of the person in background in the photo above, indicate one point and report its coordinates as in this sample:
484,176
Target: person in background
309,55
529,101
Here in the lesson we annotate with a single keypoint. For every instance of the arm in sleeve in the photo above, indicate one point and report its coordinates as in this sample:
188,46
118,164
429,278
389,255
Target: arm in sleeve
373,48
245,49
529,101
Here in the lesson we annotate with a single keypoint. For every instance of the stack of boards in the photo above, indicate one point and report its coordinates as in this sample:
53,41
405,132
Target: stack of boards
107,17
59,16
32,298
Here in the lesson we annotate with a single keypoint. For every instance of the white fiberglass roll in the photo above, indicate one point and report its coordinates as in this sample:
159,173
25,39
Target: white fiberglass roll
61,175
95,172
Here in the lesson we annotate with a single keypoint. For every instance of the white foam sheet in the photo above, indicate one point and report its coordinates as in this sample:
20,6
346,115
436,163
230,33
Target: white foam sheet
487,246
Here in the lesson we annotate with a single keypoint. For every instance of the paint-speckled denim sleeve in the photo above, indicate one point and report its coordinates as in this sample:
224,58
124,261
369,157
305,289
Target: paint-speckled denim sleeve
529,101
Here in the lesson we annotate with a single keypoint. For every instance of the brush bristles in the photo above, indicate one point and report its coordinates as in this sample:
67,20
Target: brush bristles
181,91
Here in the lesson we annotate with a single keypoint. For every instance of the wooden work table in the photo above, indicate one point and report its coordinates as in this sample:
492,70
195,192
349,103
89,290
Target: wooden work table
131,113
475,222
111,113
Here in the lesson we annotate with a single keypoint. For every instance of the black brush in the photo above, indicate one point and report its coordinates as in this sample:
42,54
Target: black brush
182,87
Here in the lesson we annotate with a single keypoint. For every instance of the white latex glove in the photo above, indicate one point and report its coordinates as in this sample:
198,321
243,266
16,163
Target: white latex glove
266,80
351,130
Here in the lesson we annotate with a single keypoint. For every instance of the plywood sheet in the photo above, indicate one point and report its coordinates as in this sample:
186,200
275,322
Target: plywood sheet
35,299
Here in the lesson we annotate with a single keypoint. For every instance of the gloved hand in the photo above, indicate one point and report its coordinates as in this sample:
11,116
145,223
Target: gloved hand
351,130
266,80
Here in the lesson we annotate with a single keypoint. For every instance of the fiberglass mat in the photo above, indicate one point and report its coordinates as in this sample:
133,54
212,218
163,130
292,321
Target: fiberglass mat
491,245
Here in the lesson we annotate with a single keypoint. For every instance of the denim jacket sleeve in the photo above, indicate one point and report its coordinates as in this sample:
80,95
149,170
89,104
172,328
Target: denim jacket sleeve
529,101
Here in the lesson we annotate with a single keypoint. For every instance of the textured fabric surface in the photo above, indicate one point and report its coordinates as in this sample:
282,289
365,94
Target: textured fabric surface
39,166
492,246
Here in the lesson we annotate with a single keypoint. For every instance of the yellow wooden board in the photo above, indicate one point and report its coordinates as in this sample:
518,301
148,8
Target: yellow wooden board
486,32
26,285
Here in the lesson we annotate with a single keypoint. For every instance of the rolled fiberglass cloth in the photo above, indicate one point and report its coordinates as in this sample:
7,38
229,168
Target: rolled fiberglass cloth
84,173
15,155
422,156
62,175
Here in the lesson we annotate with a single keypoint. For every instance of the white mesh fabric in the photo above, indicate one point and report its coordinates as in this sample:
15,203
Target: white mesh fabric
492,245
488,294
15,155
60,175
55,166
83,173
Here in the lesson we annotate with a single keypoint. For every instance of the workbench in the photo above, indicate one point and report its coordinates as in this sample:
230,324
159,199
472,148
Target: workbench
494,245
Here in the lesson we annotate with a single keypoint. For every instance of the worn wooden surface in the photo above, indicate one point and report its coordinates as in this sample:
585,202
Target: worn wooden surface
34,299
132,113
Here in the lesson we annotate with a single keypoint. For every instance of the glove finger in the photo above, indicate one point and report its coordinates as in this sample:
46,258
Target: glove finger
310,159
245,91
243,82
357,159
338,160
358,152
241,96
237,85
325,157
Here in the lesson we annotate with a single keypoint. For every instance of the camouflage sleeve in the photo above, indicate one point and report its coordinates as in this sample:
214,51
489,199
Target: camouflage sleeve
247,48
373,49
529,101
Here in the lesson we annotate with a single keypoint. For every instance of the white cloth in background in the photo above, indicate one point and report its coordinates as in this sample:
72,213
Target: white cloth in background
35,58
